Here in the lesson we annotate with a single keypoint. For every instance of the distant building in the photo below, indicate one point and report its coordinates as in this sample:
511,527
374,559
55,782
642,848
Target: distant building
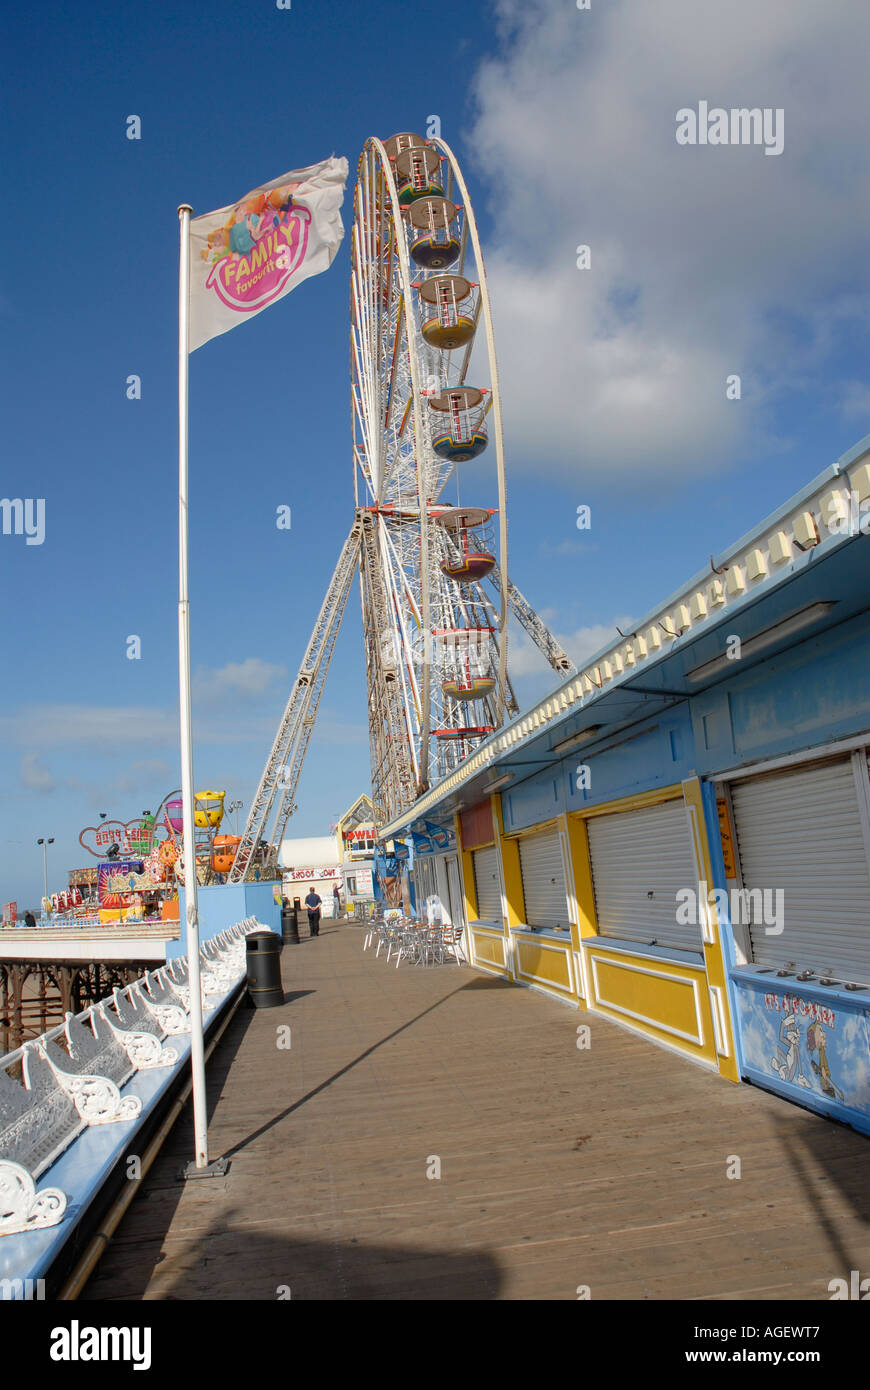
355,844
310,863
345,858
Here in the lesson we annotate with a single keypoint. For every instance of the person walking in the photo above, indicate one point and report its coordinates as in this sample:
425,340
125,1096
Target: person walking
336,901
314,903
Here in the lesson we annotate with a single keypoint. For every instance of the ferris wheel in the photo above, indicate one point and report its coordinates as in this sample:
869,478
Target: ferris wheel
429,532
422,417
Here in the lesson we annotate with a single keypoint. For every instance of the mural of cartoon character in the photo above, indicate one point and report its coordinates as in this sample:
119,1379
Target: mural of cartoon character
787,1062
816,1042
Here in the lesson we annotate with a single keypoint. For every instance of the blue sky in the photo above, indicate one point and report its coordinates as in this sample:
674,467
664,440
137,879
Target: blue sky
704,261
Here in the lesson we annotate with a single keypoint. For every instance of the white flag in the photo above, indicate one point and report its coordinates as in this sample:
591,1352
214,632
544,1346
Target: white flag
249,255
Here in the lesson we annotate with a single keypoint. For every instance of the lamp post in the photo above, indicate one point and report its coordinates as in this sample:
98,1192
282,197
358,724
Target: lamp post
45,844
233,810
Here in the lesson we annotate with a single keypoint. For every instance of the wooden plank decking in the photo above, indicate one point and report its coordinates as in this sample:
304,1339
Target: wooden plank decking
559,1167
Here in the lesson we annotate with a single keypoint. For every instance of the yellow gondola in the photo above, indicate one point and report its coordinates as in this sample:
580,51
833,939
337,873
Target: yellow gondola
468,688
208,809
444,325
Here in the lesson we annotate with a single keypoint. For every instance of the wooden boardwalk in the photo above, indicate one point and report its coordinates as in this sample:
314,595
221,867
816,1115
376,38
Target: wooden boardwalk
559,1168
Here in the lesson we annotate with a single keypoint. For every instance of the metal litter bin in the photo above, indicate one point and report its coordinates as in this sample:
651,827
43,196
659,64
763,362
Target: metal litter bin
290,925
263,960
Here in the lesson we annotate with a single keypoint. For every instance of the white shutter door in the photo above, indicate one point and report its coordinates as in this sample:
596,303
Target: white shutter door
454,892
543,880
640,861
800,832
423,876
486,882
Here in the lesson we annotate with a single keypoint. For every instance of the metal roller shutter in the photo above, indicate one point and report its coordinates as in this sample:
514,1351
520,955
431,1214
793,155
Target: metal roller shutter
487,884
429,897
800,831
423,878
454,893
640,861
543,880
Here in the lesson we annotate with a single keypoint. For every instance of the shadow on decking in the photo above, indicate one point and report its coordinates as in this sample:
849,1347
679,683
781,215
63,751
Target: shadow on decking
233,1264
842,1155
337,1075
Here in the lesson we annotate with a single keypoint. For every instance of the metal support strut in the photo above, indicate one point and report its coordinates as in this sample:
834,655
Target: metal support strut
535,626
277,789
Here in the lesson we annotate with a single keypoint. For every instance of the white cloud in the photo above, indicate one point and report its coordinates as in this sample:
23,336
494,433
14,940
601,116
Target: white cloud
705,261
250,677
855,400
34,776
116,731
524,658
99,726
144,773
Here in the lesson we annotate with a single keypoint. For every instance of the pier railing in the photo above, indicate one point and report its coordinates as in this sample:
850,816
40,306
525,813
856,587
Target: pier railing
72,1100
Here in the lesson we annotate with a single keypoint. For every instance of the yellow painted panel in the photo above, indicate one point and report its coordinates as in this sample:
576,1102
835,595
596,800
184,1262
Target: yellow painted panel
713,956
469,890
510,868
656,997
489,949
584,893
542,965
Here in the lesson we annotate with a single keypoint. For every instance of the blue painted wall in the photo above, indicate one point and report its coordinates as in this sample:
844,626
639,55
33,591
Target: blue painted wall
222,905
540,798
654,754
816,693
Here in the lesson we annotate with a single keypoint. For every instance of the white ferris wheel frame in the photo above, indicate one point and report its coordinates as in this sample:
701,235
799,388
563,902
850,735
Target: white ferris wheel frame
369,406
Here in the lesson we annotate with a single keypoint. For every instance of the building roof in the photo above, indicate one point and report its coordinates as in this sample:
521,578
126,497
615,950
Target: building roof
317,852
360,812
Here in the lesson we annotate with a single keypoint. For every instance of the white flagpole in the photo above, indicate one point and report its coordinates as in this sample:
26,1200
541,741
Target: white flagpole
197,1050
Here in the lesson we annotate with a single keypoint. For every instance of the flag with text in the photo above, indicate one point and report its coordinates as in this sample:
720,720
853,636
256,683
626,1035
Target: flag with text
249,255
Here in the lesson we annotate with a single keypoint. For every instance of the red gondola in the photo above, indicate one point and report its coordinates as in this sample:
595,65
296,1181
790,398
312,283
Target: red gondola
468,554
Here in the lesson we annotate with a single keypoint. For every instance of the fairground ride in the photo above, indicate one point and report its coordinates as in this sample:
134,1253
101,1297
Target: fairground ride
434,583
